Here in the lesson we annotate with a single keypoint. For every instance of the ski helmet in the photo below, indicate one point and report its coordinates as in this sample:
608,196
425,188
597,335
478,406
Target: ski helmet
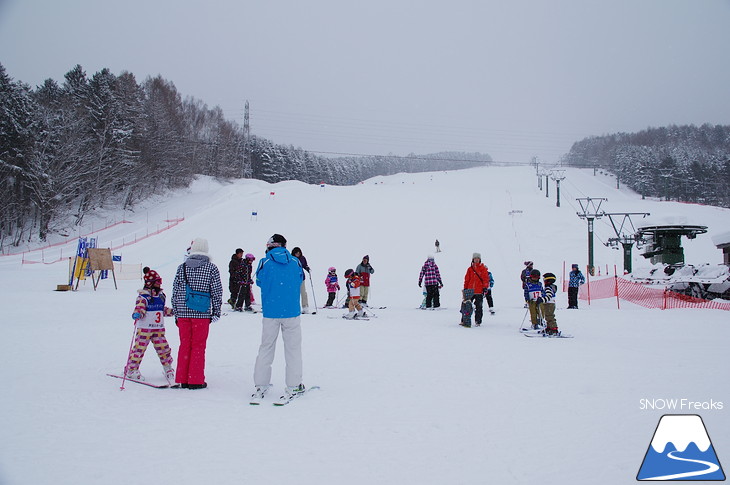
535,274
349,272
332,269
250,256
549,278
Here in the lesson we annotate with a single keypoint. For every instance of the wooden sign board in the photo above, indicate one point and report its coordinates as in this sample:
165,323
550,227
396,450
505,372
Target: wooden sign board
100,259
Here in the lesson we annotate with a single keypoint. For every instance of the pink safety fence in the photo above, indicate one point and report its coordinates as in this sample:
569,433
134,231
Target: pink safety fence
643,295
113,245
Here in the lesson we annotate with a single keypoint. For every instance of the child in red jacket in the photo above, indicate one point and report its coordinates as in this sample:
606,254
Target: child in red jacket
353,290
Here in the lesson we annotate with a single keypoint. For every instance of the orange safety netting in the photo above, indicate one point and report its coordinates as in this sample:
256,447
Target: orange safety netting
643,295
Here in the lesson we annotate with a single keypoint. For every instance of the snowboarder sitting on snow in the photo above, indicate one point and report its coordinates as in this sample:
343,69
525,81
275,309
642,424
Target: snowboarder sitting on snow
149,319
332,285
536,294
353,289
548,305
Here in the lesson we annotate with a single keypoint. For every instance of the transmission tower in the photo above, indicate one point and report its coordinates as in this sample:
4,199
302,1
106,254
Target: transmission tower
246,171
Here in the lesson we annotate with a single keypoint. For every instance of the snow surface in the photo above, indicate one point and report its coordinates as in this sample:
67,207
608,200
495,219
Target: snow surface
408,397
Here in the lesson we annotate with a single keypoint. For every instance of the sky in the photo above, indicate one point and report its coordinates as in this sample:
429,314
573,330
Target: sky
515,80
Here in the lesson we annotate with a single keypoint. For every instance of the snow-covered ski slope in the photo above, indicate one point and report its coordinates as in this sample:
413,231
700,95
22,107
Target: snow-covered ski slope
408,397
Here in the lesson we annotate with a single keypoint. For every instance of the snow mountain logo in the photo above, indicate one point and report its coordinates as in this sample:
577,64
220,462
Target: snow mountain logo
681,450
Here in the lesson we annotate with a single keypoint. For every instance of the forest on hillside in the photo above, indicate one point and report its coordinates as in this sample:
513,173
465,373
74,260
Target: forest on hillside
685,163
67,149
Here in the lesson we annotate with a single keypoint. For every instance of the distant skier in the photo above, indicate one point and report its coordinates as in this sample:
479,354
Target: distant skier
438,246
332,285
431,277
536,295
149,319
548,305
353,289
576,280
488,293
364,270
476,279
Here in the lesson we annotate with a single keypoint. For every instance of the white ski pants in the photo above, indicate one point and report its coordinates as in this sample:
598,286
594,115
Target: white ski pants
291,333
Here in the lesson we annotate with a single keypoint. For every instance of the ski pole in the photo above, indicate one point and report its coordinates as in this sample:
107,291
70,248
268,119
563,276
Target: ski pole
126,365
522,325
311,282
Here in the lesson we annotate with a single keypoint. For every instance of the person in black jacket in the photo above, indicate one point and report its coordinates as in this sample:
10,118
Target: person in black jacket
234,274
297,253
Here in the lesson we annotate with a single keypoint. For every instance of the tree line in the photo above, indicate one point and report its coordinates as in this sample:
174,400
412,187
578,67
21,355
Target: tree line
685,163
89,142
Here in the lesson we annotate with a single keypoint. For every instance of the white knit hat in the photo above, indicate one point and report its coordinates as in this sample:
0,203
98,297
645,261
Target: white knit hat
476,255
199,246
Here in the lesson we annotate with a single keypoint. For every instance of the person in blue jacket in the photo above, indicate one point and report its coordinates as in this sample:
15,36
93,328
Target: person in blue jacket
280,276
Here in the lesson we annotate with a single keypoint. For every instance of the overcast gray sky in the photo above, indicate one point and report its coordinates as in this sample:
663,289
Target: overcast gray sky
511,78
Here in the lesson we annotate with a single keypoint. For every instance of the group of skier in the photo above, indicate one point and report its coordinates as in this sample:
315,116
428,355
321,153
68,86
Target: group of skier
540,296
197,297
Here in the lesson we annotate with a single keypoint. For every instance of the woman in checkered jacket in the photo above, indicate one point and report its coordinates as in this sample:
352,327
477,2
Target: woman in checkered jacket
432,278
201,275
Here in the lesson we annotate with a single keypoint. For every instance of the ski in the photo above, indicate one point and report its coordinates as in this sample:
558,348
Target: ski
560,334
432,309
367,318
156,386
283,400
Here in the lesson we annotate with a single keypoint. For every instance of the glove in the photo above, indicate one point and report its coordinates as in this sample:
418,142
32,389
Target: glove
136,316
540,300
215,318
419,284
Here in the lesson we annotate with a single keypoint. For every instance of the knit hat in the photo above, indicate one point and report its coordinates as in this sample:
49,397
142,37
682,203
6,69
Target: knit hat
152,279
476,255
366,257
199,246
276,241
529,263
429,257
574,266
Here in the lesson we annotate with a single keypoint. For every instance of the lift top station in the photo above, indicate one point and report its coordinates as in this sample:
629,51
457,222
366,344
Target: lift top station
663,243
